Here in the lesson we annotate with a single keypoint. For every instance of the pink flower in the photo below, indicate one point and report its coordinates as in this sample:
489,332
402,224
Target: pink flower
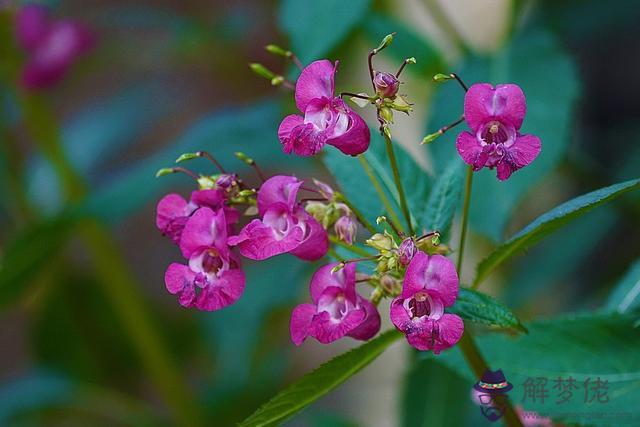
327,119
285,225
406,251
212,279
337,309
430,285
52,46
495,117
173,211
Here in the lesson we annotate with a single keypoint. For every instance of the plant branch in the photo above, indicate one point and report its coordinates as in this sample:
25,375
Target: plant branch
353,248
465,218
398,181
358,214
383,197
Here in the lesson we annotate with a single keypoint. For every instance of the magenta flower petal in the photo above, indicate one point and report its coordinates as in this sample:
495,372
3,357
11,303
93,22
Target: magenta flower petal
399,315
345,279
505,103
315,81
278,189
326,330
204,229
356,136
470,150
258,241
179,280
435,274
300,325
370,324
32,25
422,337
449,331
212,198
523,151
223,291
172,214
315,243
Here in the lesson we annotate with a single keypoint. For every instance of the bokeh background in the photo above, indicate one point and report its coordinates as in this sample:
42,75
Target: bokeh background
88,334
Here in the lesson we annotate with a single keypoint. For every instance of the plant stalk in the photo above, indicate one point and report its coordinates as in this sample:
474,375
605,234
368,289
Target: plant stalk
465,218
383,197
398,181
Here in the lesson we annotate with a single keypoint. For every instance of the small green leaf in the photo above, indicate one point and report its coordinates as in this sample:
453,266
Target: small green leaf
482,308
550,222
444,199
626,295
478,307
319,382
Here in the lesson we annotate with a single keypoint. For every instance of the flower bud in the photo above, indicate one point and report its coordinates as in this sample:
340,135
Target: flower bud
406,251
386,84
225,180
206,182
324,189
381,242
386,114
318,210
346,228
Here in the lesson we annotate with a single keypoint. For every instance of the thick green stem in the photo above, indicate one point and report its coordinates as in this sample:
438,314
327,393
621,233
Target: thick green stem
119,284
381,194
465,218
398,181
478,365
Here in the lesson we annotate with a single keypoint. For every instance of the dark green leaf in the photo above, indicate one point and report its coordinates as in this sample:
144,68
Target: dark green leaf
626,295
549,222
551,89
481,308
444,199
28,252
583,347
316,27
320,382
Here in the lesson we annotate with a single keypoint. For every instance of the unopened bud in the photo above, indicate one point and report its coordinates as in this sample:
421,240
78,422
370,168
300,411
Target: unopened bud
206,183
431,137
381,242
187,156
277,50
243,157
318,210
337,267
226,180
346,228
277,80
262,71
386,84
247,193
164,171
324,189
406,251
386,41
442,77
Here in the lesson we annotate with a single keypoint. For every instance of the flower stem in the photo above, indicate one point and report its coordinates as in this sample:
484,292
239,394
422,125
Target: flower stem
353,248
465,218
383,197
478,365
358,214
398,181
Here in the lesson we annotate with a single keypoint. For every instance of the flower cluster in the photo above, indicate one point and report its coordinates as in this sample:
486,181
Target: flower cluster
412,271
51,46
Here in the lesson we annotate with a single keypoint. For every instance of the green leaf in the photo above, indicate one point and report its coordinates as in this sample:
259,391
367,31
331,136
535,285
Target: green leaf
550,222
28,252
583,347
316,27
482,308
551,88
319,382
444,199
626,295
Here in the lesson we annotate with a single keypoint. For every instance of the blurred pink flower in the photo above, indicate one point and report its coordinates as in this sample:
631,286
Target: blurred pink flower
495,116
386,84
327,119
337,309
52,46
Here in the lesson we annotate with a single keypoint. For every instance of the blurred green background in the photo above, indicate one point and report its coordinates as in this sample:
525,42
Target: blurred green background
89,335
